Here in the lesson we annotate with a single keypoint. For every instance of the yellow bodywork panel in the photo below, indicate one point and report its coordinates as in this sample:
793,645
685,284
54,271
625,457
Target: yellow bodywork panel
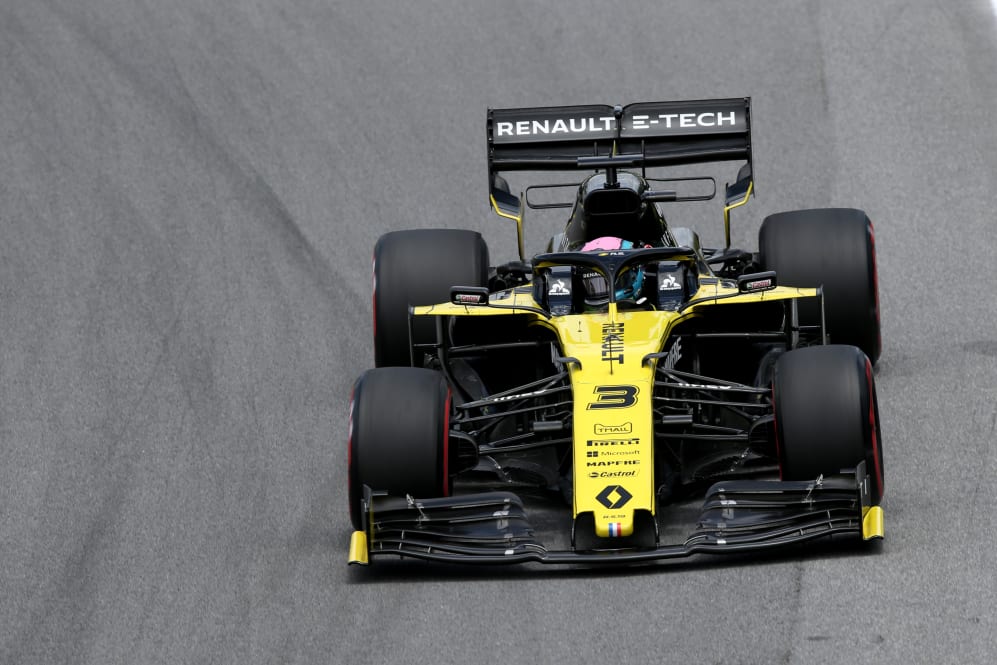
523,297
358,548
872,523
612,391
613,424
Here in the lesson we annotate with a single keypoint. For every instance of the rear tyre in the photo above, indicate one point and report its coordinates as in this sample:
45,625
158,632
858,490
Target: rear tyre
833,247
418,267
398,435
826,414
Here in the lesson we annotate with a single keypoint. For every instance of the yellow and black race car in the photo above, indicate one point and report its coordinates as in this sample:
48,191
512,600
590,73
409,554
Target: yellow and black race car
565,408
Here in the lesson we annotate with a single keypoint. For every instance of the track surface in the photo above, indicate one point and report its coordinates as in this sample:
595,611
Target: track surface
189,193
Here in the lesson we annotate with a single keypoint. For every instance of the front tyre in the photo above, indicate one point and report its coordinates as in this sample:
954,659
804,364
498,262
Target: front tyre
418,267
398,435
826,414
833,248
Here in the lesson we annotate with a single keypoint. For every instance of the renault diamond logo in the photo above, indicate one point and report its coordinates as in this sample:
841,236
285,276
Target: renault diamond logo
614,496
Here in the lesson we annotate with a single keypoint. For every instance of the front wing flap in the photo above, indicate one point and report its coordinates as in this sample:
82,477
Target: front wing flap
736,516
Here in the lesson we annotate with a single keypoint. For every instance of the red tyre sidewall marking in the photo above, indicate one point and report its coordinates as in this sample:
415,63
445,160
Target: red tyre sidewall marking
877,464
373,295
349,449
875,283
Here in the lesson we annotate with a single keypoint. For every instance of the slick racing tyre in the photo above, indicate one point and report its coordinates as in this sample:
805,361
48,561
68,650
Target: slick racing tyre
826,414
398,435
418,267
833,247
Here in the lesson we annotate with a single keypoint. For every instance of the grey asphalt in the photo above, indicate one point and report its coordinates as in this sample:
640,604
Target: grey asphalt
189,196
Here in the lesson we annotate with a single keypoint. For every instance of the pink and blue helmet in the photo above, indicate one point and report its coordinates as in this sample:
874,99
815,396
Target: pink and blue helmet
628,283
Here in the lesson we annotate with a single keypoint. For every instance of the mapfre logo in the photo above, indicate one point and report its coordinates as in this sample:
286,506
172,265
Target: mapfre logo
625,428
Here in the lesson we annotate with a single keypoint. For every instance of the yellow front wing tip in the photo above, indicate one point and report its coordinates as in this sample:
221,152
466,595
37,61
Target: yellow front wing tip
358,549
872,523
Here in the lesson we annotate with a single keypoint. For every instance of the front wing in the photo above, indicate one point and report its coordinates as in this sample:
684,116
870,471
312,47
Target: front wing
737,516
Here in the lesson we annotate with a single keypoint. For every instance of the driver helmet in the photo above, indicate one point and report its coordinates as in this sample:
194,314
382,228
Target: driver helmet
628,282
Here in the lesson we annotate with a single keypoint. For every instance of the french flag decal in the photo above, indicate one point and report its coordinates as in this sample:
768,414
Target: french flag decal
615,529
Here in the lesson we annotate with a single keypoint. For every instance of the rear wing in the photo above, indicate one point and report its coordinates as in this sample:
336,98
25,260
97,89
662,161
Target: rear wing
652,133
641,135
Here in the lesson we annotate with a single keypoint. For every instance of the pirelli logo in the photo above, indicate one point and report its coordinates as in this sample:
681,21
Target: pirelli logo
600,443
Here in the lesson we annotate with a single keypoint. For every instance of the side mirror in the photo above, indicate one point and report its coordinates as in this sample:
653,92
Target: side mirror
469,295
756,281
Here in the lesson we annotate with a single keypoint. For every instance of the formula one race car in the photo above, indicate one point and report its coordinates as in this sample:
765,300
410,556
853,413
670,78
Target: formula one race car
564,409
